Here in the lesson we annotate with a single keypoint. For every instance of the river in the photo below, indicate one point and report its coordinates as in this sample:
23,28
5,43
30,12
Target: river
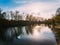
29,35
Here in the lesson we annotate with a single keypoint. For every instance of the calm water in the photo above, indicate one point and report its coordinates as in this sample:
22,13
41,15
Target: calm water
30,35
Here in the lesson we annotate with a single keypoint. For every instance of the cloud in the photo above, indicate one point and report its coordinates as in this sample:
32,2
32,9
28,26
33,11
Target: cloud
21,2
45,8
29,1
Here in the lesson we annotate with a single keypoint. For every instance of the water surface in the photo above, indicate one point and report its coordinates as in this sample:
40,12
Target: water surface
37,35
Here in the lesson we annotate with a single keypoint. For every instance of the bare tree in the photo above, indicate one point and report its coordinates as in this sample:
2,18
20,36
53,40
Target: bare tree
2,14
12,15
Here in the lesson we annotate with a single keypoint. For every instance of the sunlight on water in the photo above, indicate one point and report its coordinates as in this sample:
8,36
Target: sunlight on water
39,33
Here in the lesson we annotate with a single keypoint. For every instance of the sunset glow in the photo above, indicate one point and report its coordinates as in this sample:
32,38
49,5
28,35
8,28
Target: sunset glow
38,9
42,8
41,32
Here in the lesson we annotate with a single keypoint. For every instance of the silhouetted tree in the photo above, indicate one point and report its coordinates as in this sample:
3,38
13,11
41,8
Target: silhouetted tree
12,15
57,16
16,15
2,14
58,11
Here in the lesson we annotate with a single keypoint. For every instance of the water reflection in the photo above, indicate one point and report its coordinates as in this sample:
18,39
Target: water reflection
37,35
39,32
13,32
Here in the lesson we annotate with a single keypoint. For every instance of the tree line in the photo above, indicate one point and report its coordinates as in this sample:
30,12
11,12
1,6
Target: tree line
10,15
16,16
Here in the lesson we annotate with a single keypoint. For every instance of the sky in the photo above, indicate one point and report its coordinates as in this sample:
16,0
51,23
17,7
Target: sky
42,8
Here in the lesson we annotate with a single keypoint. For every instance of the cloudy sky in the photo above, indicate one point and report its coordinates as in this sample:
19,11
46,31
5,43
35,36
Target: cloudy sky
43,8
